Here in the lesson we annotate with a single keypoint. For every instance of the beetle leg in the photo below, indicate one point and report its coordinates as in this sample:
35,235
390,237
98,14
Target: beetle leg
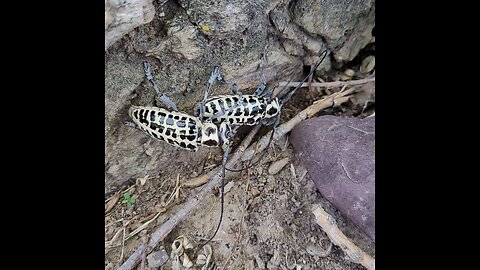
165,99
131,125
235,90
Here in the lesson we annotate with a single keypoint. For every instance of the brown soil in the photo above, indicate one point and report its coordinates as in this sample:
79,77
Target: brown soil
267,221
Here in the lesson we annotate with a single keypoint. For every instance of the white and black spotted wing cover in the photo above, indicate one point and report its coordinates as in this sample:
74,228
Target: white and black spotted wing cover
175,128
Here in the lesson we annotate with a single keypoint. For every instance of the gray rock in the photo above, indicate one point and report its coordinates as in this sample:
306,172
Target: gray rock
122,17
260,262
344,24
157,259
339,154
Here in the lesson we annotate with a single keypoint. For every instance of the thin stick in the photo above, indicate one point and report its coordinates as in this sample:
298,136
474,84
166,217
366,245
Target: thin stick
123,244
326,221
143,226
110,242
144,254
328,84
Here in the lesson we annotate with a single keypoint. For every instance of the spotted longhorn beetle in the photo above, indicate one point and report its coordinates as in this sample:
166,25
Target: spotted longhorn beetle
254,109
237,110
177,128
213,119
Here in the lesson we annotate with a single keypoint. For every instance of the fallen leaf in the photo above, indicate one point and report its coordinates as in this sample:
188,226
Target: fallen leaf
201,259
255,191
187,263
142,180
368,64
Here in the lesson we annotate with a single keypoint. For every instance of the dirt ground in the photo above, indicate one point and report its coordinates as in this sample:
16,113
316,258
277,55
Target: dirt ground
267,220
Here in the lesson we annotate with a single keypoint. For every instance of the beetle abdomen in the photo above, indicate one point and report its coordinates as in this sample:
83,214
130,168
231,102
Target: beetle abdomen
235,110
175,128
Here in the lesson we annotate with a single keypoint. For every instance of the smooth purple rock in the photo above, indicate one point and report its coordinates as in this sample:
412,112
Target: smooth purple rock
339,154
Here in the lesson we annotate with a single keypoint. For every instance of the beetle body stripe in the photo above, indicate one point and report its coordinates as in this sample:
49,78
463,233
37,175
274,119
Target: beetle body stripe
240,109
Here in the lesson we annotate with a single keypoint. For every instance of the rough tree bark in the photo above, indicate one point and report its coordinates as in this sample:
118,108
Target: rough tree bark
183,39
122,16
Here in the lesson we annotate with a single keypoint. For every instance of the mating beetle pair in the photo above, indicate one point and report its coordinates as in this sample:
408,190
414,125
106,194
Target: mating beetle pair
215,119
212,120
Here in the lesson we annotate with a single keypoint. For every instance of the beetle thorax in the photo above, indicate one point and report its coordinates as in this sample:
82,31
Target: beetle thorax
273,109
210,136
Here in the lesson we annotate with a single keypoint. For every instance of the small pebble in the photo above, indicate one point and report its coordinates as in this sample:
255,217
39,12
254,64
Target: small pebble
228,186
250,265
149,151
255,191
157,258
277,166
260,263
270,179
247,155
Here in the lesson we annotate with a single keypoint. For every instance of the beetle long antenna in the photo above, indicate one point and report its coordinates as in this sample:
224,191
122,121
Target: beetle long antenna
222,175
288,96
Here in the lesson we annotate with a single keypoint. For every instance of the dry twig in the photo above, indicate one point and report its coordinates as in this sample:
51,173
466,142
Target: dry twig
144,254
327,222
329,84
